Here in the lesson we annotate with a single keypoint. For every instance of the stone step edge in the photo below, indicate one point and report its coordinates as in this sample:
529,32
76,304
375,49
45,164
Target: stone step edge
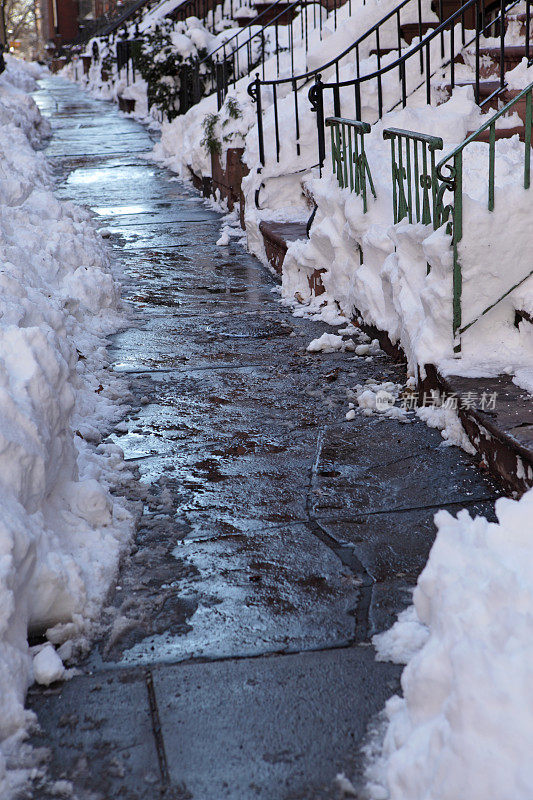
502,455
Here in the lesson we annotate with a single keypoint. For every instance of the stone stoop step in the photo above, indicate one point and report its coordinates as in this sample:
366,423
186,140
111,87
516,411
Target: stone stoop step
503,432
276,238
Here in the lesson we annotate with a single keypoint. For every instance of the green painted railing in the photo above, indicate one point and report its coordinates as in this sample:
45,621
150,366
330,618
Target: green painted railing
414,178
453,182
419,184
350,164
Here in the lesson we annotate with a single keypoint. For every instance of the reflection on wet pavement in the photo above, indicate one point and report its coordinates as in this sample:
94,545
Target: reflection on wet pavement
270,523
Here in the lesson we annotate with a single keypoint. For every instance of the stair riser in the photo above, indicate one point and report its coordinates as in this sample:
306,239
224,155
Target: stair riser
315,282
493,69
503,133
501,459
445,10
329,5
449,7
519,108
411,30
505,458
270,12
126,104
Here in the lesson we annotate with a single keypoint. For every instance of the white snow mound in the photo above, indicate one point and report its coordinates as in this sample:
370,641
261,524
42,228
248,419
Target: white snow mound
47,666
61,531
463,727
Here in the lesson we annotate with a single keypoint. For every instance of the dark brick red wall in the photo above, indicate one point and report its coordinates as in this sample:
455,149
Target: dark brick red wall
67,21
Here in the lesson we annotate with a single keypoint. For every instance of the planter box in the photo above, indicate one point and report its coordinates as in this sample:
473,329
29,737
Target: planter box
57,64
126,104
228,180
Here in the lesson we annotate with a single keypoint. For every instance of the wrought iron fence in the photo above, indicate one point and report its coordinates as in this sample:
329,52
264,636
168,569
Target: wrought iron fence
296,83
435,50
348,156
247,49
453,182
127,52
444,37
414,179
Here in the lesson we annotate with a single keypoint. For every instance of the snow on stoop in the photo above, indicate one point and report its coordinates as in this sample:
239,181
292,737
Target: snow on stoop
497,417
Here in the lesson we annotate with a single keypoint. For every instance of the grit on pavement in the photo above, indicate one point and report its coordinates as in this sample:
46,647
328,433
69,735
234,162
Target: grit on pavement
276,536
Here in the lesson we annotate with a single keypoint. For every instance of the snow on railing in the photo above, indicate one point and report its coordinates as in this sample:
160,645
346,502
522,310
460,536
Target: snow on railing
453,182
419,185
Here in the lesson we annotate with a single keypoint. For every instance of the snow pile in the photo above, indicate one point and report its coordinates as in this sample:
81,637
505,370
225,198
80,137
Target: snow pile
373,397
447,421
379,270
47,666
463,727
19,109
23,74
61,531
330,343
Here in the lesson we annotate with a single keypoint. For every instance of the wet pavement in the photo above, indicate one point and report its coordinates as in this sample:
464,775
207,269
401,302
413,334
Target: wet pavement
276,537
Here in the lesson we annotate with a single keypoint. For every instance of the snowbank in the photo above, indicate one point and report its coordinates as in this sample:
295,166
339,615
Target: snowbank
379,270
61,531
463,727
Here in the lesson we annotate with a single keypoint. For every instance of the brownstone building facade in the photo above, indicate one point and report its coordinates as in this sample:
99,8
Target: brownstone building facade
60,21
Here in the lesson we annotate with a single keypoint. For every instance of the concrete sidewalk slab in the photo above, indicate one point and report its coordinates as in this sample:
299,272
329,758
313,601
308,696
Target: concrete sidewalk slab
102,731
215,715
269,524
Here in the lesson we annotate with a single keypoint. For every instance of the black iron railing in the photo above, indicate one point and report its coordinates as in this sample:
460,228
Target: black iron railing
361,48
437,49
443,39
127,53
111,23
248,49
